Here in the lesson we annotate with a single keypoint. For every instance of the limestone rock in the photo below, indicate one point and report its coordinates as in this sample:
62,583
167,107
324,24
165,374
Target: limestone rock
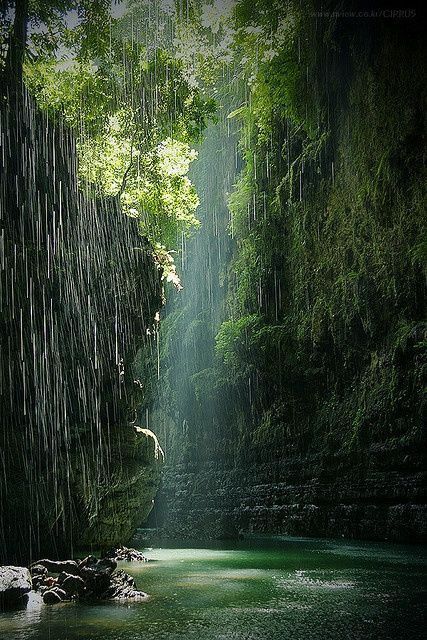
92,565
15,583
72,585
128,499
124,554
57,566
38,570
97,574
123,586
38,573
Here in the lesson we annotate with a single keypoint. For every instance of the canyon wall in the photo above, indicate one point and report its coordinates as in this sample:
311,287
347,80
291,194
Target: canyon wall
299,408
79,292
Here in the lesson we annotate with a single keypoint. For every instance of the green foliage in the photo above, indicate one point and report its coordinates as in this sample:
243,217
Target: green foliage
235,345
328,214
135,117
81,94
46,20
204,41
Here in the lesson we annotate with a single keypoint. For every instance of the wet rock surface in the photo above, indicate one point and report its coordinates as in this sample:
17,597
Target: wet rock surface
381,498
125,554
123,586
72,585
120,273
15,584
58,566
88,579
129,499
53,596
96,574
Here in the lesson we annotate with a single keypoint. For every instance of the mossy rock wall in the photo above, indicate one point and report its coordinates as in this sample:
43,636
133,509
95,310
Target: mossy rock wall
80,290
320,361
126,501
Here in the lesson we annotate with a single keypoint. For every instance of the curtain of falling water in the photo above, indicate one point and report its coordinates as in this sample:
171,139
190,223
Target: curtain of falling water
186,416
78,291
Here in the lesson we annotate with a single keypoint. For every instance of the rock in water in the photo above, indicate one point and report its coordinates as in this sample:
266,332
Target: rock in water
54,595
58,566
72,585
124,554
38,574
15,583
92,565
38,570
123,586
97,574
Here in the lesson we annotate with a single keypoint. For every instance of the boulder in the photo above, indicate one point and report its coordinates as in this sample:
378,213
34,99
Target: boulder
96,574
15,584
38,573
57,566
124,554
91,565
37,582
72,585
38,570
55,595
122,586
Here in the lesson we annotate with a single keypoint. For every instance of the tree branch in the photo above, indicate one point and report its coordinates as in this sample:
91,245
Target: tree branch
126,173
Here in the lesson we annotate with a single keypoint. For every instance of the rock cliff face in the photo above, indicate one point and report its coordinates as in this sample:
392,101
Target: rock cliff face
305,414
127,501
79,291
382,497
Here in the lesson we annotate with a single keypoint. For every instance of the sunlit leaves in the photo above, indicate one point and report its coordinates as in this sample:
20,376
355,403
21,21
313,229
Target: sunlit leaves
75,90
134,114
174,157
152,186
104,160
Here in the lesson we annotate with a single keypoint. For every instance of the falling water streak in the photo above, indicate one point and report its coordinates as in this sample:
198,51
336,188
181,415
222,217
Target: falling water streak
76,299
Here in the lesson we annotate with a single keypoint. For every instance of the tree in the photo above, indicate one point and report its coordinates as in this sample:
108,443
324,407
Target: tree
131,106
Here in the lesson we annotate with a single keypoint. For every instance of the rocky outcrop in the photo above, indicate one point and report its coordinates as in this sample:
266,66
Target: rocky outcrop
80,290
15,584
55,566
380,498
124,554
122,587
96,574
55,595
128,499
91,579
72,585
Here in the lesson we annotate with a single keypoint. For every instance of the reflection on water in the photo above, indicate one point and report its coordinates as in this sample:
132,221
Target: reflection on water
263,589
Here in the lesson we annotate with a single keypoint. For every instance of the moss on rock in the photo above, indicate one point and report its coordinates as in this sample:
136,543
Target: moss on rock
126,500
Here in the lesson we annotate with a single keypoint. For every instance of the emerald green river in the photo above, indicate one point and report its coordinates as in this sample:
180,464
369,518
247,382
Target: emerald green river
259,589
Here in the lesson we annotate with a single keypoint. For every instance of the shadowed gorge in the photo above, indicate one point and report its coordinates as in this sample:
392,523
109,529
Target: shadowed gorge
307,417
212,320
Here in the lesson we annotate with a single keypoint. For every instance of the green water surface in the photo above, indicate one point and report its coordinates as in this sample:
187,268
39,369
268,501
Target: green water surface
260,589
